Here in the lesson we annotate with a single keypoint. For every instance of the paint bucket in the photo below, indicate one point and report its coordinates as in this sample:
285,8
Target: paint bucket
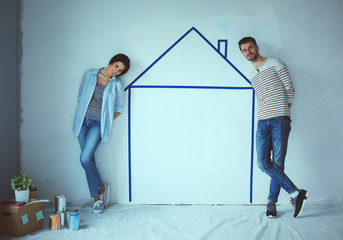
64,218
73,221
54,222
60,203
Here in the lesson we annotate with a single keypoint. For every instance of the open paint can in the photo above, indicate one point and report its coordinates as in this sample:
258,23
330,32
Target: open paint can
73,221
54,222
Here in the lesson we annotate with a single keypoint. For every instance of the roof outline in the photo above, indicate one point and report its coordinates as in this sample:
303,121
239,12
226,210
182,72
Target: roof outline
130,85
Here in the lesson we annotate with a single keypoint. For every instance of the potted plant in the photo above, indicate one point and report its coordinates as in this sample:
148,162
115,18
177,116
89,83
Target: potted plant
21,186
33,191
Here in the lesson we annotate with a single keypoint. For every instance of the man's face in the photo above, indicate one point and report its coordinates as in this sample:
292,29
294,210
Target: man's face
250,51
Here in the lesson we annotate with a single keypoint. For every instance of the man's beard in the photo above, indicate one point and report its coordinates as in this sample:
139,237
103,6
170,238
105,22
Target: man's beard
253,59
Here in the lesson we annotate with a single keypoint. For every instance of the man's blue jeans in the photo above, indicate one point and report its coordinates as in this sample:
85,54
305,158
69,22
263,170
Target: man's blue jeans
272,138
89,139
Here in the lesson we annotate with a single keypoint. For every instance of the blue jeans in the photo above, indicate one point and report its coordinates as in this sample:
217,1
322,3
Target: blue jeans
272,138
89,139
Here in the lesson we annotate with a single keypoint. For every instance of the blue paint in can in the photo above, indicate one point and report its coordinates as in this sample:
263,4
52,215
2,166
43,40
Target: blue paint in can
73,221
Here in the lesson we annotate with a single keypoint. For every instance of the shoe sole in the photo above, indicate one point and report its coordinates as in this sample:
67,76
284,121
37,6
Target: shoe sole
271,215
98,211
302,207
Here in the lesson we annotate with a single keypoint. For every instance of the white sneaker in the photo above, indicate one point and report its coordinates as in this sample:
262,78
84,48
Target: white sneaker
105,196
98,207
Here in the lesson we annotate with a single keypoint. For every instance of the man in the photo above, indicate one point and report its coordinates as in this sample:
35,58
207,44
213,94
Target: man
274,89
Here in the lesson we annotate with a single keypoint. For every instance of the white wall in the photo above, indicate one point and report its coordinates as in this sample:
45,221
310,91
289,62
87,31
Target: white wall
9,68
61,39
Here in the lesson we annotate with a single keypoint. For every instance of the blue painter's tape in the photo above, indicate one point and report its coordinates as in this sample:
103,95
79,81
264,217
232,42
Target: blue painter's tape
252,145
129,147
223,56
219,46
193,87
172,46
190,87
158,59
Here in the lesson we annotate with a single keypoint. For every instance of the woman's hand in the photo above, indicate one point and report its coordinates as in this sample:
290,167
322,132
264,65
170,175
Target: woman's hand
116,114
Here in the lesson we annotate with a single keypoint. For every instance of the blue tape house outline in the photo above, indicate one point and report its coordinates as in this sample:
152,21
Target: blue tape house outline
224,56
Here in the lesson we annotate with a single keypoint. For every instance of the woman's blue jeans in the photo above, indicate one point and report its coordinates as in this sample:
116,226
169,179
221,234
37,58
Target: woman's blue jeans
89,139
271,139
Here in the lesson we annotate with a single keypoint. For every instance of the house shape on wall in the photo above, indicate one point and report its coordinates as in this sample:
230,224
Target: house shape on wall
190,127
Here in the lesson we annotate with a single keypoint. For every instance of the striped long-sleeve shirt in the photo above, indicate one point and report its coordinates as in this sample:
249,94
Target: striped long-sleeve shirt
274,89
95,106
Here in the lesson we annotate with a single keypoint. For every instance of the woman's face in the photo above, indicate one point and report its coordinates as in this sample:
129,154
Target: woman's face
116,68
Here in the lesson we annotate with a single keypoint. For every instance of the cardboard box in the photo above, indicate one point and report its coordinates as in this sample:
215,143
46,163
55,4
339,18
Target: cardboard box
18,221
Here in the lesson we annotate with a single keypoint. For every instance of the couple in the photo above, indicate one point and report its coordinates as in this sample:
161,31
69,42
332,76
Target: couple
101,98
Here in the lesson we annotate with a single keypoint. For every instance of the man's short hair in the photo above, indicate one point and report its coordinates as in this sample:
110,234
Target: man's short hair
246,40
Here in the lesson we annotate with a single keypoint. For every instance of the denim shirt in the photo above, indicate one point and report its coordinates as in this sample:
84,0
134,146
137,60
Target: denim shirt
113,101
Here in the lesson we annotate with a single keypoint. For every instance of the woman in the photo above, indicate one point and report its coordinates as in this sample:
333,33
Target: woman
101,100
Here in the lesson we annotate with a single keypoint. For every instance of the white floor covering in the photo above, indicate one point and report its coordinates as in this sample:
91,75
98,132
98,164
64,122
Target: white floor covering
199,222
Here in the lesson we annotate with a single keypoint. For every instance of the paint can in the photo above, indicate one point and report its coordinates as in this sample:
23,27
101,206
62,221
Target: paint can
54,222
64,218
73,221
60,203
